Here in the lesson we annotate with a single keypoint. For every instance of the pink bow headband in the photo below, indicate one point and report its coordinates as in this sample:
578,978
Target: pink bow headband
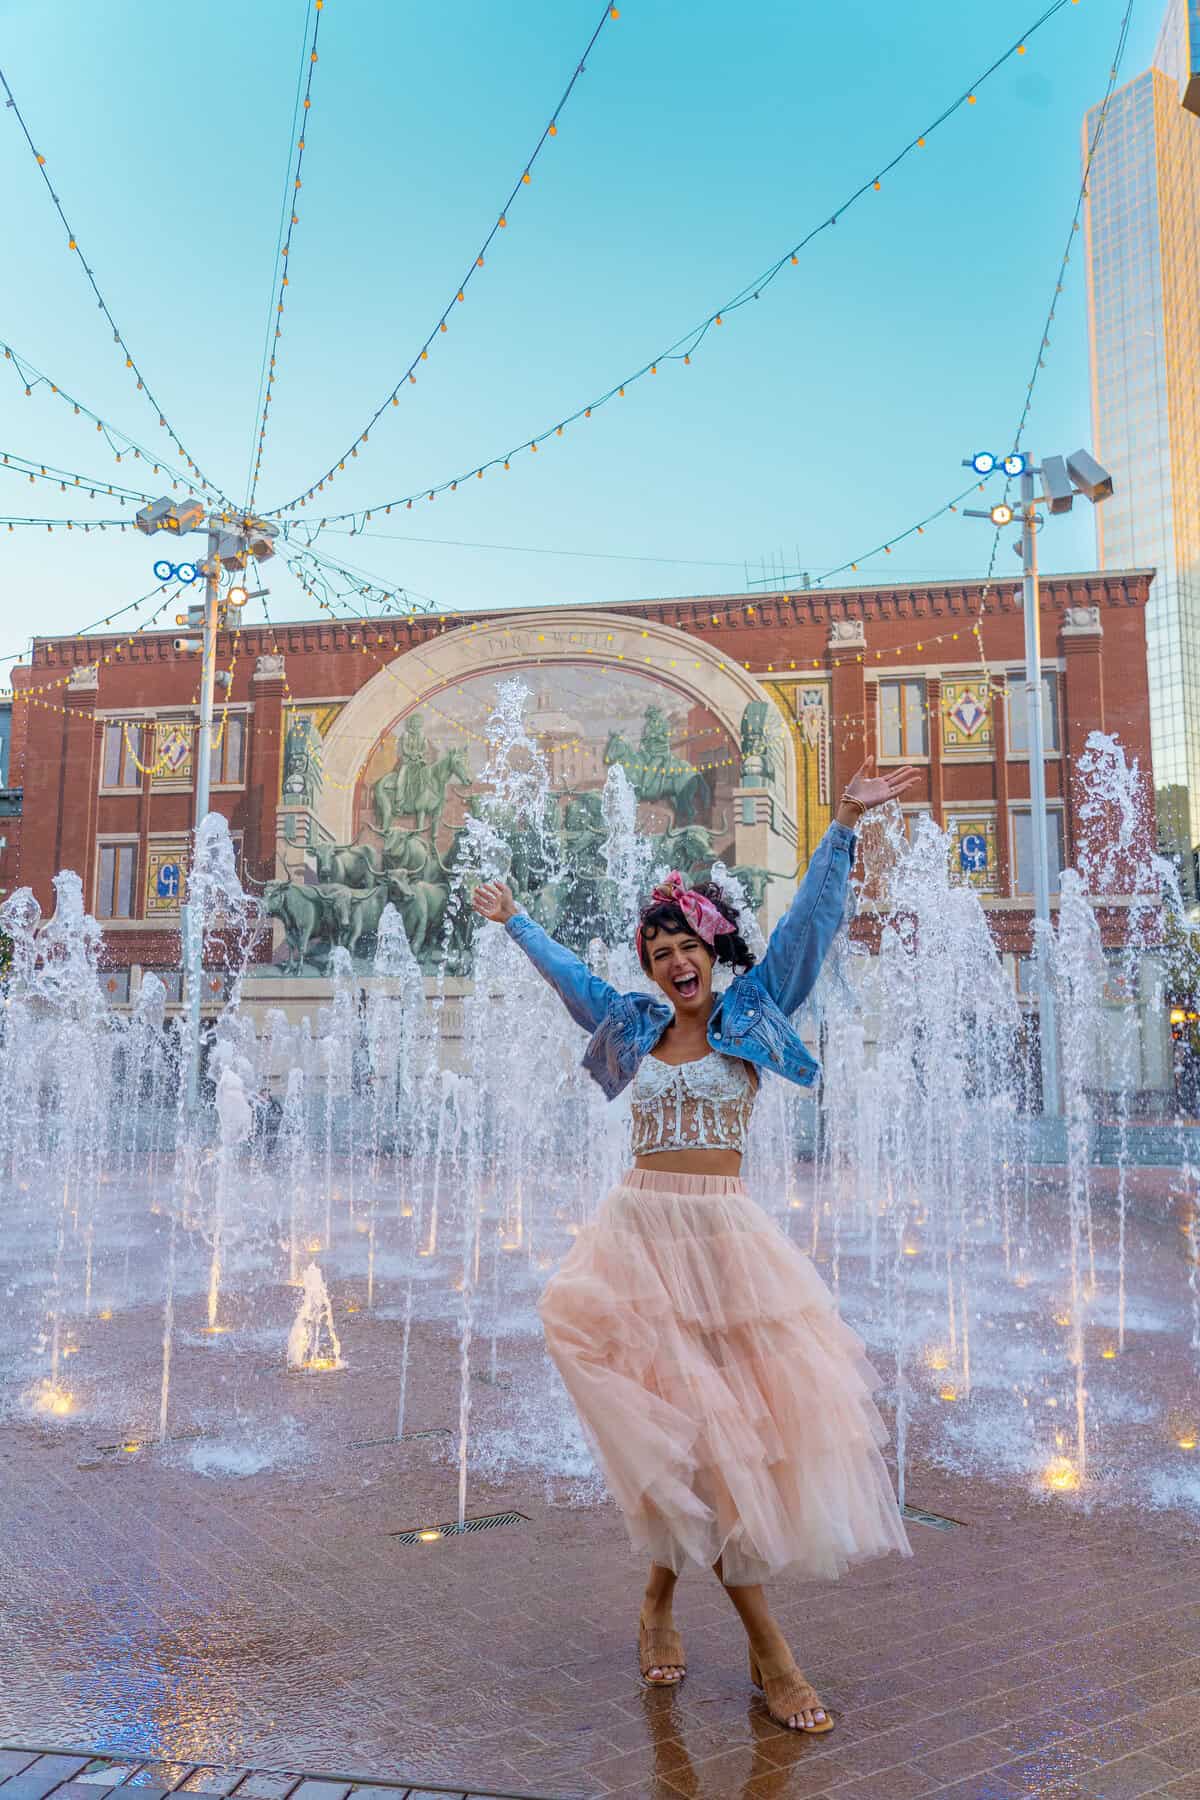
706,920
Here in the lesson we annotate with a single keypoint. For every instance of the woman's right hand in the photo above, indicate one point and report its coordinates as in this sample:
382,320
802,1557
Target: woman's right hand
494,900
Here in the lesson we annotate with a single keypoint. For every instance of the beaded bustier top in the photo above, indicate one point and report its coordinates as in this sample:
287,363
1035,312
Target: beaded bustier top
701,1105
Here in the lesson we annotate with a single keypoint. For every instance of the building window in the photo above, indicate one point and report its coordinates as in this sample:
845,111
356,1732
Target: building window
122,753
114,881
229,741
1018,712
903,728
1022,843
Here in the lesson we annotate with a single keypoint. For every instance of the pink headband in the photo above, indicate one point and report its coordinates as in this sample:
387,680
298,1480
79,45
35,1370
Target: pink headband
704,918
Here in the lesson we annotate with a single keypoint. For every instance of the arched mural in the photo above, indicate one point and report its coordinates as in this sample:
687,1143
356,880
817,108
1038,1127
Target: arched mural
376,795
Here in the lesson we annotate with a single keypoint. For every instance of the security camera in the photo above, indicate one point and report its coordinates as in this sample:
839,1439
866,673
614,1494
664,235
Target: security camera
1089,477
182,646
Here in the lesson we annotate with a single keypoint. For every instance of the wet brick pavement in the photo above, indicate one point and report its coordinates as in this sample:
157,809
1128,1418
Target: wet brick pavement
272,1623
56,1775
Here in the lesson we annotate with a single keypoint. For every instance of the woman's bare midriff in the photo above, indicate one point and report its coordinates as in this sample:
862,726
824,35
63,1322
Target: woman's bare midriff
692,1162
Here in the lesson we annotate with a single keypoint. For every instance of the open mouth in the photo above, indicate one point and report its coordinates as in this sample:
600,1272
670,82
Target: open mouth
687,986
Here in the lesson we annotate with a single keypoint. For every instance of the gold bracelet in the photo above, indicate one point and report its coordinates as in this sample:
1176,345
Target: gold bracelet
849,800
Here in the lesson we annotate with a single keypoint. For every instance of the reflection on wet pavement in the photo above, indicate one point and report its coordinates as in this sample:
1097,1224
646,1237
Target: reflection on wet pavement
29,1775
270,1620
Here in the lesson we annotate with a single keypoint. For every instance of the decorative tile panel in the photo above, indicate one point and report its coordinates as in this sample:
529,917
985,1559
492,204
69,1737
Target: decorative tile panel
973,851
966,709
166,877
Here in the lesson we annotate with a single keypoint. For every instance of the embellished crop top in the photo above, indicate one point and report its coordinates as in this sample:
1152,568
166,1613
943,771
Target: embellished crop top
700,1105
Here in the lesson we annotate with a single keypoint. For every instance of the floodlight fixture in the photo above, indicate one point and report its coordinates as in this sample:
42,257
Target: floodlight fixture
1015,463
158,516
237,596
1060,494
165,515
983,462
1001,514
1089,477
260,535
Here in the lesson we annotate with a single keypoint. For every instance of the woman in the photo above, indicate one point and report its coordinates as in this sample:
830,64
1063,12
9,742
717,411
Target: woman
729,1406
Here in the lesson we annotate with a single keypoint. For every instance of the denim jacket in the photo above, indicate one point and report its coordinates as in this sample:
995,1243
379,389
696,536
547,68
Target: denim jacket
749,1020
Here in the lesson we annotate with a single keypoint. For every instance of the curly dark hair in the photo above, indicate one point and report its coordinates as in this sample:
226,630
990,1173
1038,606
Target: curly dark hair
666,915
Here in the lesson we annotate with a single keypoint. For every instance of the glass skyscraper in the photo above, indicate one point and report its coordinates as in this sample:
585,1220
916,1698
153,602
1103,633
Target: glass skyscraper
1142,220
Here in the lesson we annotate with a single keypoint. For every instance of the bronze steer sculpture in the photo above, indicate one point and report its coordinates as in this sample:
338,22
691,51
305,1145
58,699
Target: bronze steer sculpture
365,913
422,909
307,913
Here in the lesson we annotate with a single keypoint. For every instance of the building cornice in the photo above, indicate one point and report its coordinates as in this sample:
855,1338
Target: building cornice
746,613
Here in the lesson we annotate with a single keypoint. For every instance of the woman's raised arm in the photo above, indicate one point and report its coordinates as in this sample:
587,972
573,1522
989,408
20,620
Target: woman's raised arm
802,937
585,996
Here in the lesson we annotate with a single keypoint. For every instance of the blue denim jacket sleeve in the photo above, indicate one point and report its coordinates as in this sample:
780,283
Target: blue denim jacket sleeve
800,940
588,999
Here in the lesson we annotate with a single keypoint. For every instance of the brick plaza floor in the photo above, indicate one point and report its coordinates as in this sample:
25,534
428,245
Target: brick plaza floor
274,1624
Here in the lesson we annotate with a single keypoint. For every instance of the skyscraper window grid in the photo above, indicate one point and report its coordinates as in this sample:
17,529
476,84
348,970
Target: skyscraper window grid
1142,222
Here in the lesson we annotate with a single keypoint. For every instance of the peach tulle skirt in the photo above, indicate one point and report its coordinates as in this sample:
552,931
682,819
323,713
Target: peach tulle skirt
728,1404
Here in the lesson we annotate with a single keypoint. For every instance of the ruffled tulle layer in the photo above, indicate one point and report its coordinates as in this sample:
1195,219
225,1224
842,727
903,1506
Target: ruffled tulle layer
727,1403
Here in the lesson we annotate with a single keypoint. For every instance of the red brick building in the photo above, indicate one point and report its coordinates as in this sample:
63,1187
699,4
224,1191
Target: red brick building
103,727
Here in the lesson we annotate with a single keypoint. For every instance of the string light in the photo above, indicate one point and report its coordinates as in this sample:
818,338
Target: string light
283,255
84,525
94,485
118,336
684,347
32,379
477,262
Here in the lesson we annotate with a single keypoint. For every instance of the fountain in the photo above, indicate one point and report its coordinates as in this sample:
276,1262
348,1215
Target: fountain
1035,1313
313,1340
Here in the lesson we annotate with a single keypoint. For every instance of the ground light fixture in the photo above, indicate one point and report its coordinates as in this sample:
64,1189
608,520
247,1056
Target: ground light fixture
1062,477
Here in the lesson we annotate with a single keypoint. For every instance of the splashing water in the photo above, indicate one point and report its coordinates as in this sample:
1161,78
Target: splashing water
1028,1292
313,1340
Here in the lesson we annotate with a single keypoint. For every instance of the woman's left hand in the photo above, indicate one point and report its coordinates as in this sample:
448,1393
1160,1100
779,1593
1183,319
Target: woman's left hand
868,789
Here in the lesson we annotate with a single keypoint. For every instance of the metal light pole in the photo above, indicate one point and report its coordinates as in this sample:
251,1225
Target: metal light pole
193,935
231,542
1038,817
1061,477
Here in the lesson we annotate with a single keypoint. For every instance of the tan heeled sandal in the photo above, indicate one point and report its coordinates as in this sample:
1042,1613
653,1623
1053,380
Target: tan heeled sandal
789,1694
660,1650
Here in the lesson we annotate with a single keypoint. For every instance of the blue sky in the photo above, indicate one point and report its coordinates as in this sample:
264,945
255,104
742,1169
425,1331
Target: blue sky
701,142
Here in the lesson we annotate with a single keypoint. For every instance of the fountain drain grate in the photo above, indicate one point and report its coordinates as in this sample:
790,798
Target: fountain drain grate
917,1515
434,1431
430,1534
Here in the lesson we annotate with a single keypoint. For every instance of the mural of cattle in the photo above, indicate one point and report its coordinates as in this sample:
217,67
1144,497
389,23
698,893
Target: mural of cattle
349,865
